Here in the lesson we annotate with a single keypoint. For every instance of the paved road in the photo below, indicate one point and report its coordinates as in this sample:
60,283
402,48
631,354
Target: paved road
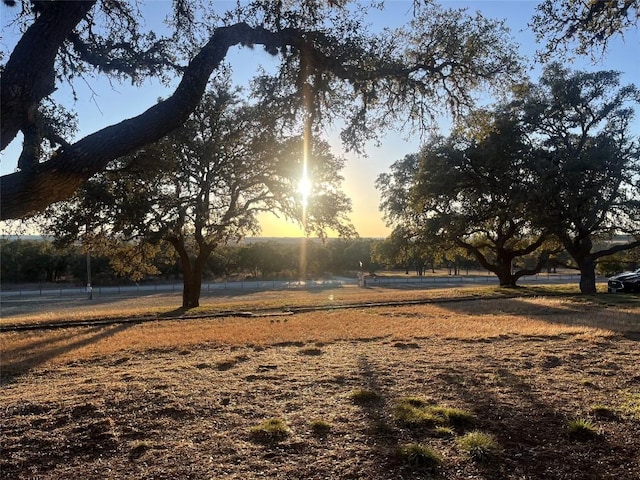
39,294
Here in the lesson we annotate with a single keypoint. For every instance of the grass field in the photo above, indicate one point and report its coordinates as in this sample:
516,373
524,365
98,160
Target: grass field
491,386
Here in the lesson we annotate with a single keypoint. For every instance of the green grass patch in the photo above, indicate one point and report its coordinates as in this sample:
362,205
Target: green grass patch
482,447
455,416
414,412
581,428
320,427
365,397
415,417
417,402
631,405
270,430
419,455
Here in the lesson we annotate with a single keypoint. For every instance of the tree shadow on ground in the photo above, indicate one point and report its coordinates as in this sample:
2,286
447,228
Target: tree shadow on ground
17,307
533,434
18,361
531,429
583,313
384,438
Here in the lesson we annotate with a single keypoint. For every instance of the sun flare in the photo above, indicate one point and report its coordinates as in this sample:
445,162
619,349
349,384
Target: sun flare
304,189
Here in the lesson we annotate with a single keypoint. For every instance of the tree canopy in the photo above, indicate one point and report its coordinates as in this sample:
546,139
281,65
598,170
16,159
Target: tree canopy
329,63
557,161
470,190
588,162
203,186
587,26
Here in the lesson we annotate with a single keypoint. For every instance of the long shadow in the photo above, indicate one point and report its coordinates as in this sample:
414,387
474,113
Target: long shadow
576,315
47,339
532,434
16,307
19,361
385,437
375,409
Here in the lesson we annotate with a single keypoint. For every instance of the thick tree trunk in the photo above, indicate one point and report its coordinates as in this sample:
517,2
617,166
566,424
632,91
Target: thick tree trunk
579,247
587,268
505,277
191,290
193,285
192,271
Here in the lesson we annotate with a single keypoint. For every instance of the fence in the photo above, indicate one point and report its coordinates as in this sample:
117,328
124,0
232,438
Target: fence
207,287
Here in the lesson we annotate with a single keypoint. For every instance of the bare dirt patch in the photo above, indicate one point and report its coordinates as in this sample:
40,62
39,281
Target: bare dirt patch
181,399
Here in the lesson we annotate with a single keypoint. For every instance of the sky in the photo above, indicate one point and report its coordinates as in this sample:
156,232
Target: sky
102,103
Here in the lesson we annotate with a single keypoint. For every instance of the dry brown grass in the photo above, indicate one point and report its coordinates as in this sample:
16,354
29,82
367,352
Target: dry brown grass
473,319
179,398
65,309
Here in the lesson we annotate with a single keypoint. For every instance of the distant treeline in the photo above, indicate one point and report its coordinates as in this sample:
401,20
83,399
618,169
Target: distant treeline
38,261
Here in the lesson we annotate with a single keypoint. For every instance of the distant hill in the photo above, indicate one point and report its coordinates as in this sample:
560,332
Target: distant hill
37,238
279,240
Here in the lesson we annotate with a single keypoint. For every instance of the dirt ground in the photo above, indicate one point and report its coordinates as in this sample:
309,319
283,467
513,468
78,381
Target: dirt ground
186,411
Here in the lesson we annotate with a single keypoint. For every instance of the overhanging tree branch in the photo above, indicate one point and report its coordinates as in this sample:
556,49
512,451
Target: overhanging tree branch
29,74
25,192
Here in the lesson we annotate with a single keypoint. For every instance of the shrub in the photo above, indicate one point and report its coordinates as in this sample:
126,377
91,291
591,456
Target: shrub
420,455
480,446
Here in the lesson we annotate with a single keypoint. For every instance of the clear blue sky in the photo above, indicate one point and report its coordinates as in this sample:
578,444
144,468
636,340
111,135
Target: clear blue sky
102,103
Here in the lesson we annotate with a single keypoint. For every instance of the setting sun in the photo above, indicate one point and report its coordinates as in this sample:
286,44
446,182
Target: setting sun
304,188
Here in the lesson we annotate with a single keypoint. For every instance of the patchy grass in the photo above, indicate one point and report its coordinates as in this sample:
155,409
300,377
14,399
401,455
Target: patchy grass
320,427
270,430
419,455
480,446
582,428
465,320
631,404
56,309
454,416
365,397
414,412
180,398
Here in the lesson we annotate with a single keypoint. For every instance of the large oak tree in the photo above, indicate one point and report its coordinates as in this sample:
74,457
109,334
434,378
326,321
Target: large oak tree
559,161
470,190
588,162
202,187
328,61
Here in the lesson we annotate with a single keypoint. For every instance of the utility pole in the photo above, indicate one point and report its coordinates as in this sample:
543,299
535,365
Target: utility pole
89,287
